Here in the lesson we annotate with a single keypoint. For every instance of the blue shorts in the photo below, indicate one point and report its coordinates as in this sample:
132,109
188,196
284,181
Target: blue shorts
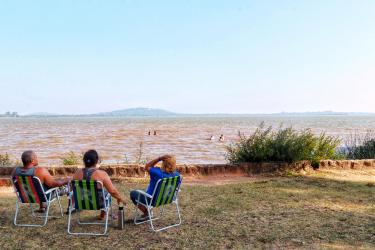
142,199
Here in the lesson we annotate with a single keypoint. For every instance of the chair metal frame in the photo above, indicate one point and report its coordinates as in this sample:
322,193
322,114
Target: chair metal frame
150,207
107,208
53,196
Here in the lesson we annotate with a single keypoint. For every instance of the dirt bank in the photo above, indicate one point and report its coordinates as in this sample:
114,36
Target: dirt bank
221,171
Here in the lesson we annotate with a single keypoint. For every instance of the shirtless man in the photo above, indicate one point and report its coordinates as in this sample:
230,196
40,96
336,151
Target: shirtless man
30,168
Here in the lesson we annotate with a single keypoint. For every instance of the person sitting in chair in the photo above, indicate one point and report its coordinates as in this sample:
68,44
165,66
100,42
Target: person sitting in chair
167,170
30,168
91,172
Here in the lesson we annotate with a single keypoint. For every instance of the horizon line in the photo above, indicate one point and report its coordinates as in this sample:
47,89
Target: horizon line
172,113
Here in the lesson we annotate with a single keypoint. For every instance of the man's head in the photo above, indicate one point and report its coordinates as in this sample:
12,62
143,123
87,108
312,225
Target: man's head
169,164
29,159
90,158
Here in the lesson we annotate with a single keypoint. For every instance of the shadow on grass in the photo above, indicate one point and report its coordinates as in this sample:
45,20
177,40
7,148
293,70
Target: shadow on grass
306,212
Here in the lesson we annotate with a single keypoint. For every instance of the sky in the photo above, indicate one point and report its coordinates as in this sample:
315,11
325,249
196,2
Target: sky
188,56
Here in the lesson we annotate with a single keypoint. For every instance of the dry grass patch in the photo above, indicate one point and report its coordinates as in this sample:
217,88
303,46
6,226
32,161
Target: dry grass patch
311,211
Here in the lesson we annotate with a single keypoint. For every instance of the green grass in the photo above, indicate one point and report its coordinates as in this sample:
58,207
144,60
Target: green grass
313,211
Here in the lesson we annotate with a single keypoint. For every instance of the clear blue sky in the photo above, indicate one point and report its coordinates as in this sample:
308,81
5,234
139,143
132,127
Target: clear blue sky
187,56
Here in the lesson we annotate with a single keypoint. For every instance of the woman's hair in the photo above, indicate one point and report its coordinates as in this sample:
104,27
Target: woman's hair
169,164
90,158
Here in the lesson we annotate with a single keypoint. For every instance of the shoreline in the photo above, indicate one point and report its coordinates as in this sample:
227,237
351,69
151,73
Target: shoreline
138,172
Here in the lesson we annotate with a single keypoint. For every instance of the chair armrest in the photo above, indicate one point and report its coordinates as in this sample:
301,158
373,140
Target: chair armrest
144,193
51,190
108,196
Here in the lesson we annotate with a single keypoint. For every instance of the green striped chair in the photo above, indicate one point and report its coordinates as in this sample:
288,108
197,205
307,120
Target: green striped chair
88,195
165,192
30,191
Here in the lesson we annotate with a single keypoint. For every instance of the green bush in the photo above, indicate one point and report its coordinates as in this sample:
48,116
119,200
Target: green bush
71,159
283,145
358,147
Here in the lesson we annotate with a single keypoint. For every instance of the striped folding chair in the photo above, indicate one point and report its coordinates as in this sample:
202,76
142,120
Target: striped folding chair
165,192
88,195
30,191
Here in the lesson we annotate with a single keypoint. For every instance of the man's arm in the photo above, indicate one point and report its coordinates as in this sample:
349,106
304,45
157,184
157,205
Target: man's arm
51,182
151,164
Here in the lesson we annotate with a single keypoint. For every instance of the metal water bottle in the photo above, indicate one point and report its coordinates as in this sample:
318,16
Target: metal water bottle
120,217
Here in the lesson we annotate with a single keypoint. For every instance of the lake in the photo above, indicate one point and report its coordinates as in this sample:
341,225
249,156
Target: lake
120,139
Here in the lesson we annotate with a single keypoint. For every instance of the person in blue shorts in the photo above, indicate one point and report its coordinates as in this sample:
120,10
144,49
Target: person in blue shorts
167,170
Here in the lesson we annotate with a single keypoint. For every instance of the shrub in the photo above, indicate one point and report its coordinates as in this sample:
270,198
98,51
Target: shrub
5,160
360,147
139,156
71,159
285,145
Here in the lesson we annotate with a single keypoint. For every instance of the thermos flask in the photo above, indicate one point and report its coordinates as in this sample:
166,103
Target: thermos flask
120,217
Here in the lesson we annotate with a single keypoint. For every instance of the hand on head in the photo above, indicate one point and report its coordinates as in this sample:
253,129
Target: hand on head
164,157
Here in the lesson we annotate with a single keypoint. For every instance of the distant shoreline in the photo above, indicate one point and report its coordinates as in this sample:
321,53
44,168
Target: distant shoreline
160,113
195,116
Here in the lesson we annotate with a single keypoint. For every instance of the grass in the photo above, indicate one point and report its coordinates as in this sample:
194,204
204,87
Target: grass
319,210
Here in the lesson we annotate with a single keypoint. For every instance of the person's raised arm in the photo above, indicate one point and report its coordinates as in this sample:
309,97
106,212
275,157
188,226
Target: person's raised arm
152,163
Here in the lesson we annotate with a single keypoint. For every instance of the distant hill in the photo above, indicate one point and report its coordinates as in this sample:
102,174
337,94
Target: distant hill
150,112
147,112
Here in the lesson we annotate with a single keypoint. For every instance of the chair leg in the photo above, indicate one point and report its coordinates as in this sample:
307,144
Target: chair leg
69,219
150,216
174,225
108,210
86,223
111,209
46,214
106,220
18,208
58,200
136,213
179,213
162,211
16,214
150,219
32,210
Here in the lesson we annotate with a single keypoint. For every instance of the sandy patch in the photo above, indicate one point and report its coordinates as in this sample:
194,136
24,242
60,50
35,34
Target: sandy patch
6,191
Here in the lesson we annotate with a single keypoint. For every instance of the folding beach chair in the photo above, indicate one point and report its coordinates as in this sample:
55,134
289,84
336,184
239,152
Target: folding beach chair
165,192
30,191
88,195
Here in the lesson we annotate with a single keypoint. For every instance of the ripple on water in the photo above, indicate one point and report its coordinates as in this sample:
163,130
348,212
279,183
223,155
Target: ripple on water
184,137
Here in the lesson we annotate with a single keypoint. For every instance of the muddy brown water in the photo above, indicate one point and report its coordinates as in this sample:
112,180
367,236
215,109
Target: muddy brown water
118,139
